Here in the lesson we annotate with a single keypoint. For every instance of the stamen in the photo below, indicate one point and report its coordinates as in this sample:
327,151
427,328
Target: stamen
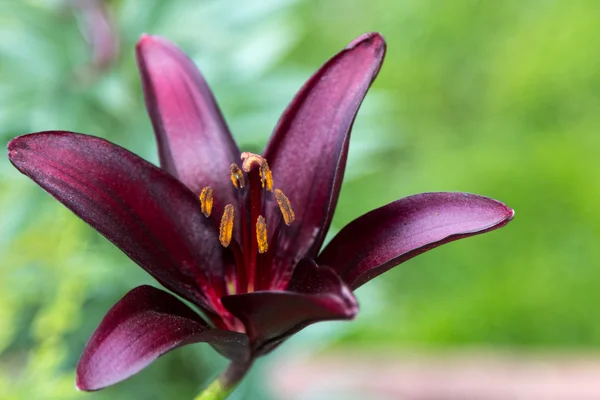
266,176
237,177
261,234
206,201
226,228
285,207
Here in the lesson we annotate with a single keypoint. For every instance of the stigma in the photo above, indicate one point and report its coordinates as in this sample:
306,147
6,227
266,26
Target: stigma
266,176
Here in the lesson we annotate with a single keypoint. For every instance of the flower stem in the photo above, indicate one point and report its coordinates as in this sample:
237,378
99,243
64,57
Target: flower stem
222,387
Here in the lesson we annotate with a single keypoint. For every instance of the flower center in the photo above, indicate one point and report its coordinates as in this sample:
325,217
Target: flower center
253,183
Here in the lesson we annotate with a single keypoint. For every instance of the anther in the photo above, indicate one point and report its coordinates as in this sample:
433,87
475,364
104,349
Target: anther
266,176
261,234
237,177
285,207
206,201
226,228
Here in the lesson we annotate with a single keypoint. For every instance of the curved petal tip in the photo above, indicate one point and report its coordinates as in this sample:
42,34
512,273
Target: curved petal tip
194,142
11,152
148,40
374,37
144,38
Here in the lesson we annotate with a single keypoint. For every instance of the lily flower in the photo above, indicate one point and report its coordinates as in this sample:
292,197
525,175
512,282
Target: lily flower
238,235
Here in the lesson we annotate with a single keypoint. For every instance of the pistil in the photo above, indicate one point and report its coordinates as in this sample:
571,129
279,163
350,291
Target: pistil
254,204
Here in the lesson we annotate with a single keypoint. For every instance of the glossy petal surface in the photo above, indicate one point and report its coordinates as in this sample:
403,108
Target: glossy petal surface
193,139
142,326
308,150
147,213
392,234
315,294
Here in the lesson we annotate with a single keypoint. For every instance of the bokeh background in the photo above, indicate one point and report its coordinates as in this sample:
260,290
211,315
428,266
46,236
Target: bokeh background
496,98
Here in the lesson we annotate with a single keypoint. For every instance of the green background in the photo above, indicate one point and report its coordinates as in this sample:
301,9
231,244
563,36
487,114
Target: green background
496,98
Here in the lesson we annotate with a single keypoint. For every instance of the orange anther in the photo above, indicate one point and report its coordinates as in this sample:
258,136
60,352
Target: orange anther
261,234
237,176
285,207
226,228
206,201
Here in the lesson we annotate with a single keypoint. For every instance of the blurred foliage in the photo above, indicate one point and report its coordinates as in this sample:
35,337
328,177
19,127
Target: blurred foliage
496,98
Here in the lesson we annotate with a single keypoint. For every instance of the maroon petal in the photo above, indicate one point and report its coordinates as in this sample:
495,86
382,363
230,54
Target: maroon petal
307,152
193,139
315,294
147,213
392,234
142,326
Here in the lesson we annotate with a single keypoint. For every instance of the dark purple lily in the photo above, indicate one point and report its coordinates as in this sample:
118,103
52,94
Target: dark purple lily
238,235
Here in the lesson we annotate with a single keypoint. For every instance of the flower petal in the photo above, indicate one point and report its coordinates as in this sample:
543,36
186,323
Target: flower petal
194,142
142,326
315,294
147,213
308,150
392,234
